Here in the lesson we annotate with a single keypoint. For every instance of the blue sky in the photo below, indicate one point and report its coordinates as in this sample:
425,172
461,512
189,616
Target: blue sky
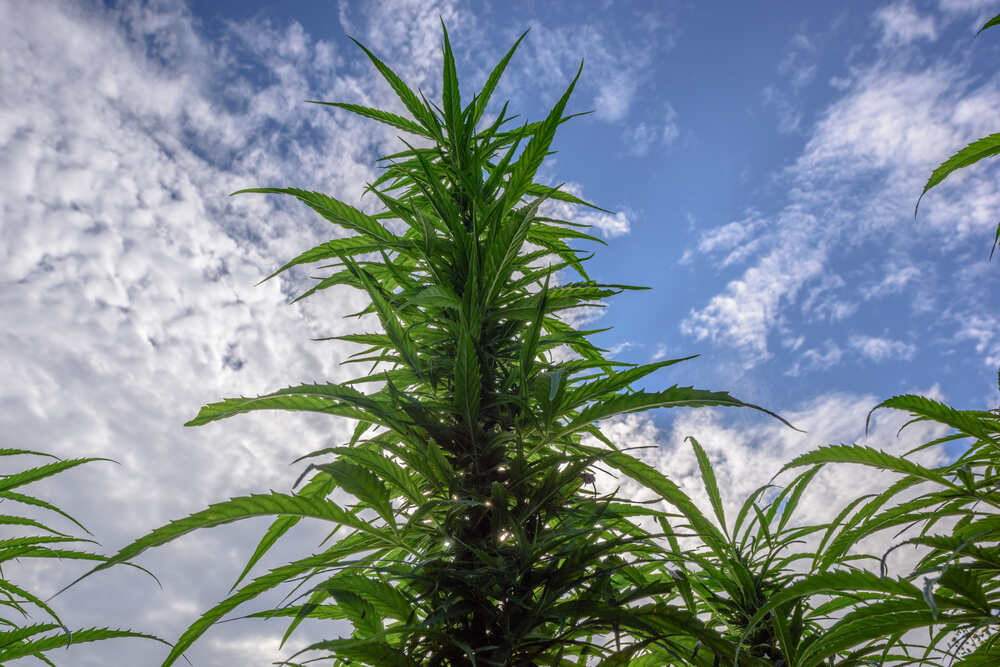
762,160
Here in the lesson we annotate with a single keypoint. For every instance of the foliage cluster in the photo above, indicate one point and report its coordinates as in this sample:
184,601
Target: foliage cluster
475,534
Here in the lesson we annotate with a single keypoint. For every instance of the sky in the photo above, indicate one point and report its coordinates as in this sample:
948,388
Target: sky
762,161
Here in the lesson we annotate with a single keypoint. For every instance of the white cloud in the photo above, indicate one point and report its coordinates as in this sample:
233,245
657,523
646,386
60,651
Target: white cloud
747,451
901,24
894,280
959,6
817,359
738,239
743,315
789,116
879,349
615,68
798,64
614,96
642,138
128,281
855,183
982,329
618,348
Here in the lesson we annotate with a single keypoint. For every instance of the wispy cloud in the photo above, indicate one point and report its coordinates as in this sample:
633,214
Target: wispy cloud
615,69
645,136
965,5
128,277
856,182
879,349
901,24
799,62
789,115
817,359
982,329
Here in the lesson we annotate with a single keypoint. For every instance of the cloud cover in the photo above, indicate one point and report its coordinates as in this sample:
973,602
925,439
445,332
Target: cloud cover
865,159
127,274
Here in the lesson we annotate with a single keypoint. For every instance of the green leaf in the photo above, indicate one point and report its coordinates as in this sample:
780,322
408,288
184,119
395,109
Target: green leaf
711,486
381,116
406,95
362,483
332,249
494,78
964,582
989,24
974,152
347,546
864,455
668,490
8,482
319,486
333,210
615,381
243,507
531,159
37,646
639,401
924,408
450,96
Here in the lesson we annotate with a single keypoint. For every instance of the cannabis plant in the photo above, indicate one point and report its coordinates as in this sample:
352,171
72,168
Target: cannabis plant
19,637
732,573
954,590
476,536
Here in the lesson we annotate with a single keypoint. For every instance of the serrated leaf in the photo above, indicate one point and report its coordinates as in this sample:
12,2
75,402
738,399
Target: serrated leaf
8,482
925,408
640,401
971,154
864,455
381,116
333,210
318,487
711,485
408,98
34,647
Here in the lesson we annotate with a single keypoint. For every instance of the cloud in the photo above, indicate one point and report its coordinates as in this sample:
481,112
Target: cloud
894,280
789,116
961,6
816,359
854,183
982,329
879,349
128,281
798,64
744,313
901,24
645,136
747,452
615,69
736,240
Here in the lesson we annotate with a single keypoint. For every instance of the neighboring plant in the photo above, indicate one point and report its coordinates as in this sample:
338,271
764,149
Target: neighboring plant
954,590
735,577
474,538
19,637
